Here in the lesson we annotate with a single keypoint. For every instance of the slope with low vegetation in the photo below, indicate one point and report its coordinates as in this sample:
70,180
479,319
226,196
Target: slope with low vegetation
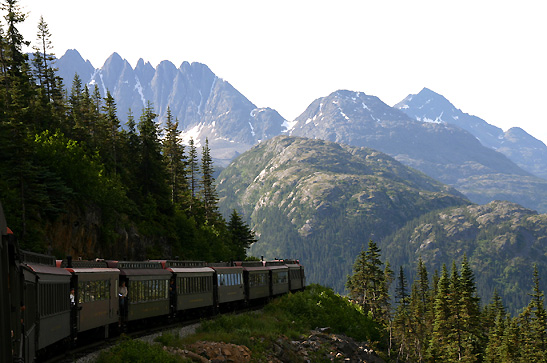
285,330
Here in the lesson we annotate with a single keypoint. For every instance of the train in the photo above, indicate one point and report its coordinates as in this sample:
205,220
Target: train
47,304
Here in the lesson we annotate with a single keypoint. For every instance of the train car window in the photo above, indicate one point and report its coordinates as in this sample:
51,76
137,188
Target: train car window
135,291
53,298
107,289
86,291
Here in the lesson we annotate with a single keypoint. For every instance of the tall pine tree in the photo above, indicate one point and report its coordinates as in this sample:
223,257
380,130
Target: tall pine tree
208,191
175,159
368,284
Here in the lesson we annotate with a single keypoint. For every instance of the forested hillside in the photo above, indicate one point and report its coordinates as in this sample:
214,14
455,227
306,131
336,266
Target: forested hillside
502,242
73,182
321,201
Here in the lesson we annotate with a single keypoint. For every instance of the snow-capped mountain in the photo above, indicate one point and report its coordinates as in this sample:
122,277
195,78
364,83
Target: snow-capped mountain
441,150
526,151
205,105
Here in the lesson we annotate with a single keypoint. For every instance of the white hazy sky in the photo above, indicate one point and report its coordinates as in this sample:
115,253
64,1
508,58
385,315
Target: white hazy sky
489,58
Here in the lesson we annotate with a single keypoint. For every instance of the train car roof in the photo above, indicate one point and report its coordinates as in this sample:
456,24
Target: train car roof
190,269
266,269
237,268
179,263
92,270
43,269
144,272
278,267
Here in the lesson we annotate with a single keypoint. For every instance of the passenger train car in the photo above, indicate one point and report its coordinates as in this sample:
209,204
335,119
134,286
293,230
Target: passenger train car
46,303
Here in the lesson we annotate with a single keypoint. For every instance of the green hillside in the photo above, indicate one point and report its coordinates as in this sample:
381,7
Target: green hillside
321,201
502,241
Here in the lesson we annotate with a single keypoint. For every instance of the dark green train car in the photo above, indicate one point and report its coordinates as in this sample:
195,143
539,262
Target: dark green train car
297,279
256,277
96,294
46,311
194,284
279,274
228,283
148,289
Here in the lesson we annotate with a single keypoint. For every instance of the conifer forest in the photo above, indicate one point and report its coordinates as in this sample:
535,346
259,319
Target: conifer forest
66,151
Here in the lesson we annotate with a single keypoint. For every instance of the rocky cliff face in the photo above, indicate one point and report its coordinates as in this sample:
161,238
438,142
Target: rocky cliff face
78,233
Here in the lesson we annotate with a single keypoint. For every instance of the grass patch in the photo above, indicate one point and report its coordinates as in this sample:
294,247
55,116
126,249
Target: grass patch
136,351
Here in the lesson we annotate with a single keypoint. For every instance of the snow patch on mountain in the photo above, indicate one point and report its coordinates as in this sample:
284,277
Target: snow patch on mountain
139,89
287,126
192,133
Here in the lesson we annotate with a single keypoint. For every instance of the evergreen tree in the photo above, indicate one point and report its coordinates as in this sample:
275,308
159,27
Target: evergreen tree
111,135
175,159
441,339
151,171
16,116
208,192
472,340
368,285
129,156
241,236
533,324
75,113
43,60
401,321
192,167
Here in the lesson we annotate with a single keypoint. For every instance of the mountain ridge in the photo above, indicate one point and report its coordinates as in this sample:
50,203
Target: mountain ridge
525,150
205,105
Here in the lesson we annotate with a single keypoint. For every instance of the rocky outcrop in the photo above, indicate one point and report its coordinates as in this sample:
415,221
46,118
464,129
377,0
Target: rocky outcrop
217,352
318,346
322,346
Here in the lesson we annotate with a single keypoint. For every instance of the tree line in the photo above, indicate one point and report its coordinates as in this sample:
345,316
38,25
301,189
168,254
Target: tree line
441,319
63,150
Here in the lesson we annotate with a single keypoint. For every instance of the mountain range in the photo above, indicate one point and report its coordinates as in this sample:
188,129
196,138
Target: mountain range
424,131
205,105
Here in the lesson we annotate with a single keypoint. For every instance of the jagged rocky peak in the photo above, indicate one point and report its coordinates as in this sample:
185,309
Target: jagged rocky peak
429,106
114,60
72,55
72,63
344,107
144,71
